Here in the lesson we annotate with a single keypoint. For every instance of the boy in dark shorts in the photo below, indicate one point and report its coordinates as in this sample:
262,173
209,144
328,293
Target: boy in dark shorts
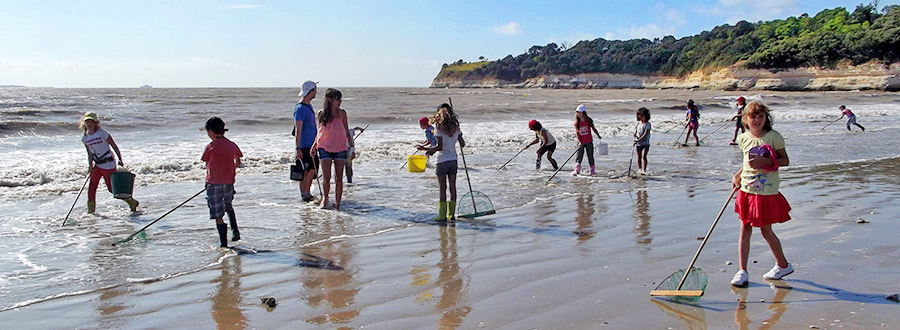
304,136
222,157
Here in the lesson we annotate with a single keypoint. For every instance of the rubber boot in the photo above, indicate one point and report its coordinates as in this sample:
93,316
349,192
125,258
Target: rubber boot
451,210
232,220
92,207
592,169
442,212
577,169
133,204
537,164
223,234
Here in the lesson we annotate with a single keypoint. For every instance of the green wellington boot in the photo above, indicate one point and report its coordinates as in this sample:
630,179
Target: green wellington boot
92,207
442,212
451,210
133,204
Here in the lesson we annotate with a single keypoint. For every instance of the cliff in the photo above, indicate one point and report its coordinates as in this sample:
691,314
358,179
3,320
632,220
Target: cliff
870,76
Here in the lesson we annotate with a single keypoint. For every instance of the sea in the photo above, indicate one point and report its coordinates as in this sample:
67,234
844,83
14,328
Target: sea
43,166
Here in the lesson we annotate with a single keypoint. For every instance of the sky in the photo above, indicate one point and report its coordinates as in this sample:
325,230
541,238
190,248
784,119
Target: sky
386,43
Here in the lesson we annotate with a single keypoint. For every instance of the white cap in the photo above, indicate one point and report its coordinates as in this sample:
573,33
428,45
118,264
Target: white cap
306,87
580,108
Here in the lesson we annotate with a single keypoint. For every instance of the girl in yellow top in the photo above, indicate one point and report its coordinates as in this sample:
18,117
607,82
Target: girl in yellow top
759,204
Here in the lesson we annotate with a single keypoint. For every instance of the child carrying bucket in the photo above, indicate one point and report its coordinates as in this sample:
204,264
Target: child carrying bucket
222,157
447,132
548,143
100,145
583,127
758,203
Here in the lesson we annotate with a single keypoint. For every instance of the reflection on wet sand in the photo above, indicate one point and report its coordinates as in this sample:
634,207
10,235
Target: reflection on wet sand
453,284
694,317
107,307
337,289
226,302
642,219
584,214
778,306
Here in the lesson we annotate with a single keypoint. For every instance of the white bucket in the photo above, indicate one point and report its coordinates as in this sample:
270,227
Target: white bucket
602,149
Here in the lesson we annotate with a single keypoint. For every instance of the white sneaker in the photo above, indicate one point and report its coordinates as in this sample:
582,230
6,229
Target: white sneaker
741,278
776,273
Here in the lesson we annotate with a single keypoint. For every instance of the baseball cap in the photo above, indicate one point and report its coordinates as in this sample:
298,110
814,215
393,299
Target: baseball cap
741,99
307,87
580,108
215,124
90,115
532,124
423,120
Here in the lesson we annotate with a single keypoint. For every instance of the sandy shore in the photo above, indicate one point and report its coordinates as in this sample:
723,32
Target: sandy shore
581,262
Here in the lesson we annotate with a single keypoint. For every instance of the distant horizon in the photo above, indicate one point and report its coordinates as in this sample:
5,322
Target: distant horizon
211,44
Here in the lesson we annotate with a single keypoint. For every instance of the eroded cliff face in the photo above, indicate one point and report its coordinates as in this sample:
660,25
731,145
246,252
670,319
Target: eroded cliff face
867,76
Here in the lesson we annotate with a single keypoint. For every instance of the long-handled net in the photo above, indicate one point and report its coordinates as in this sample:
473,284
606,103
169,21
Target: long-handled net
474,204
695,281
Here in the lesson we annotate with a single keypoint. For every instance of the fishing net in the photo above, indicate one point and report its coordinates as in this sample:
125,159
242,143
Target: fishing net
140,236
482,205
696,280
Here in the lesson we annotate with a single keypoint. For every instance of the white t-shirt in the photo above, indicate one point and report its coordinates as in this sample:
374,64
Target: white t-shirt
641,128
550,138
99,148
448,152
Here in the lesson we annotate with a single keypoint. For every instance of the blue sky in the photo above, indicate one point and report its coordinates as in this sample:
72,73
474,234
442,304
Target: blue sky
386,43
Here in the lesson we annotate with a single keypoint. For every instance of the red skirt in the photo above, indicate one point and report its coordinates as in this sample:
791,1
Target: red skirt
761,210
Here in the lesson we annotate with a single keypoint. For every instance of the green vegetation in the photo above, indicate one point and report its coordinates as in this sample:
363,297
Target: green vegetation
829,38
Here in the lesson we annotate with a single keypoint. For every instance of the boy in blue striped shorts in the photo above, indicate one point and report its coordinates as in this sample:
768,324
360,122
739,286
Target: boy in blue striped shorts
222,157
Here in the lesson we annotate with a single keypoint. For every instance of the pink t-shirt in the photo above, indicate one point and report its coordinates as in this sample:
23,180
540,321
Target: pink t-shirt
584,132
219,157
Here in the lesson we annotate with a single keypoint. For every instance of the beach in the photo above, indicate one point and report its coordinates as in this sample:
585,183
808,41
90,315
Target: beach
576,252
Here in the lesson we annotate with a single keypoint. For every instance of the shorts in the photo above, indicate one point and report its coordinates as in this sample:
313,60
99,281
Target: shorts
693,125
340,155
641,148
218,198
307,162
547,148
446,168
739,123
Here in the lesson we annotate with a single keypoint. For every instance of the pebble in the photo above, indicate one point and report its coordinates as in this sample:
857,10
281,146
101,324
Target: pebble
813,326
728,263
754,261
894,297
861,220
873,212
762,300
269,301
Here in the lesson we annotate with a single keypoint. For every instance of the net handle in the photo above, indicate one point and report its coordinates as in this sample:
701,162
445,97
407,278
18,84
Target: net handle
466,168
691,266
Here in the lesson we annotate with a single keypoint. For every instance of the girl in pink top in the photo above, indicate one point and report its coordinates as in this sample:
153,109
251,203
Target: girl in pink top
583,127
332,143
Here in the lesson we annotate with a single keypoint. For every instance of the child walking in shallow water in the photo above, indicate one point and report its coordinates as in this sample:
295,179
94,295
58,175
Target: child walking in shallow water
446,133
99,145
851,118
548,143
222,157
758,203
642,138
332,144
583,127
693,123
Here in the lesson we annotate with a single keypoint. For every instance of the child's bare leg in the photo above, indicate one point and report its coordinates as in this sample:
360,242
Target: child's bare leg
744,245
552,161
326,181
452,184
338,182
442,186
774,245
644,156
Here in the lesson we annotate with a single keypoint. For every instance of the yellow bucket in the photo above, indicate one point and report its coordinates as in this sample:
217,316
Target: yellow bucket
416,163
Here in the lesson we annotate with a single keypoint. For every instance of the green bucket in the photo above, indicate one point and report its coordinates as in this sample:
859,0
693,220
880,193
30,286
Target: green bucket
122,184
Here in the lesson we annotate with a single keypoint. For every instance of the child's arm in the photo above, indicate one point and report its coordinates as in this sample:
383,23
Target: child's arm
781,158
298,124
90,157
736,179
347,128
532,142
595,131
430,150
237,161
462,143
642,136
115,148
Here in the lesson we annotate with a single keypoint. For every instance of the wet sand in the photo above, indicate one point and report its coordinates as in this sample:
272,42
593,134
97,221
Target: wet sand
588,260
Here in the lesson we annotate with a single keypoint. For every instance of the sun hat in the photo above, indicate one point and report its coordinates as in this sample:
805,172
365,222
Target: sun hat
307,86
580,108
90,115
533,124
423,121
215,124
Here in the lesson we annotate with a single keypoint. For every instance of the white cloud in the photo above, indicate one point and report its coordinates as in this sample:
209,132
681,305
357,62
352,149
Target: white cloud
648,31
245,6
749,10
508,29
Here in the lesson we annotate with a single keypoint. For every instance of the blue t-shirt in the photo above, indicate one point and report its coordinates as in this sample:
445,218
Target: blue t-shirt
305,113
429,134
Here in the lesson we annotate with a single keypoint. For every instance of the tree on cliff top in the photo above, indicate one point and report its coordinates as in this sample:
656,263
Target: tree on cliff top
823,40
